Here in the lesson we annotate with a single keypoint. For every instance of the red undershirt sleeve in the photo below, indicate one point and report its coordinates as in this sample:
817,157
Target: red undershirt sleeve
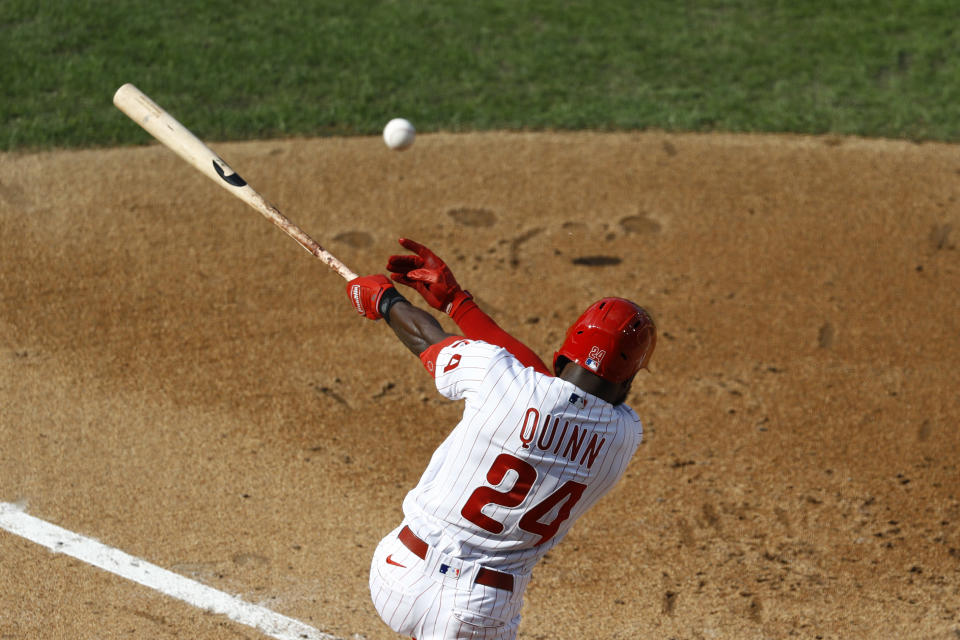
477,325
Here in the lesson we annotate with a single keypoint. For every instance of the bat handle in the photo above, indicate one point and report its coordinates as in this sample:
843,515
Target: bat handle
332,262
307,242
301,237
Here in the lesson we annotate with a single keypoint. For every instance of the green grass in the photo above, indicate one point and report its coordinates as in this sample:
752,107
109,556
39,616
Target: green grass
255,69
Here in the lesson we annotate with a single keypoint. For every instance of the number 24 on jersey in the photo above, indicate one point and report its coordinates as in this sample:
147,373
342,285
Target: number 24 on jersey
566,496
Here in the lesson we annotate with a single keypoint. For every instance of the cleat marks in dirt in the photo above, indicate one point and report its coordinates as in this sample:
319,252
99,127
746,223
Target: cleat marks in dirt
940,238
473,217
518,242
825,336
641,223
596,261
324,391
669,602
354,239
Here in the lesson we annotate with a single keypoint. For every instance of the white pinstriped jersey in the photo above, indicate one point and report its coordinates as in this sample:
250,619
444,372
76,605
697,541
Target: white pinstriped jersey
531,454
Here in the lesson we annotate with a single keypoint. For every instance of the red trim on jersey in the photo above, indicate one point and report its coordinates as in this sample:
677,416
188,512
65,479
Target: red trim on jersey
477,325
429,355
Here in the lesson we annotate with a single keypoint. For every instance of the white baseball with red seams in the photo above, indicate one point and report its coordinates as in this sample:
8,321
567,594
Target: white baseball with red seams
531,454
399,134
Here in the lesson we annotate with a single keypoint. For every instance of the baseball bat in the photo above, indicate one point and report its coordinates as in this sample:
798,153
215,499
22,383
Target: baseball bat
176,137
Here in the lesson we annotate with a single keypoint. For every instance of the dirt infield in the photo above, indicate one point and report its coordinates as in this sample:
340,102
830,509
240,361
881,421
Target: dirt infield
179,380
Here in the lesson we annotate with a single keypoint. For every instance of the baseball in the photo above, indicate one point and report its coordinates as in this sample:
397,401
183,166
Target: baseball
399,134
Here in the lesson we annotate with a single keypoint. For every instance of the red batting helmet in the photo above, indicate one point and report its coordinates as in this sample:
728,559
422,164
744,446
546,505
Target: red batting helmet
614,338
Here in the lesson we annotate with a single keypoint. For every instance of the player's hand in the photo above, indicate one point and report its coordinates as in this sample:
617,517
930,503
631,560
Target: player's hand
367,293
426,273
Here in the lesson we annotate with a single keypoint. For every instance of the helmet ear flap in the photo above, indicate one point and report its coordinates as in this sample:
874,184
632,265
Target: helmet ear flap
559,362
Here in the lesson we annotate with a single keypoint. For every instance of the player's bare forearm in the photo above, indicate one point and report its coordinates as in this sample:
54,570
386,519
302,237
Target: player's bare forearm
415,328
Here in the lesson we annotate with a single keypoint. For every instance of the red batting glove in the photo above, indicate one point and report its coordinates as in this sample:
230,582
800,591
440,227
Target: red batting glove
372,296
426,273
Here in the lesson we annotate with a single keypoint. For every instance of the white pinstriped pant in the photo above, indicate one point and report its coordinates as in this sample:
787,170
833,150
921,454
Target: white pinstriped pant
414,598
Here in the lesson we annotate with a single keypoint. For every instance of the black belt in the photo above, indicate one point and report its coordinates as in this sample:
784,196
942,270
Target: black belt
486,577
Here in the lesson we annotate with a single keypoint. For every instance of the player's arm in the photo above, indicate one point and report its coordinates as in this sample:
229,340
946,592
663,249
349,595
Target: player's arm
478,325
416,328
375,297
433,280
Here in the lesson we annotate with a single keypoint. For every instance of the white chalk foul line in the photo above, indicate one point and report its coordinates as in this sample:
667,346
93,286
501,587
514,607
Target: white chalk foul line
59,540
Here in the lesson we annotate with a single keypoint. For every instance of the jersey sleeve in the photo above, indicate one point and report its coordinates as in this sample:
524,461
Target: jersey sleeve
478,325
458,365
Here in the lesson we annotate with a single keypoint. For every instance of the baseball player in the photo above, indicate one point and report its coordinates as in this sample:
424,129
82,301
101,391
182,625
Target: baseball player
533,451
